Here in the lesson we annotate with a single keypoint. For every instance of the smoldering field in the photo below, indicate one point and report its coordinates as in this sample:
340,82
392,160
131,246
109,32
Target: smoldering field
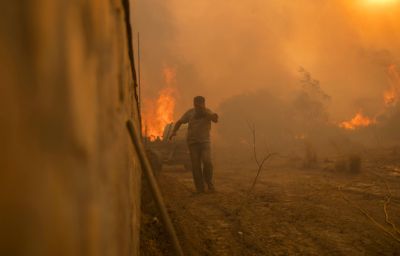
319,83
326,191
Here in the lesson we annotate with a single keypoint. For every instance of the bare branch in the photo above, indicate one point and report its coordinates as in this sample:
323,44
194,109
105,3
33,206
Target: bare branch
252,128
260,165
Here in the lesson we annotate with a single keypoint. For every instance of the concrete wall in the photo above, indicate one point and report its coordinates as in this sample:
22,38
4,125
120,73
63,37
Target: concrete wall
69,176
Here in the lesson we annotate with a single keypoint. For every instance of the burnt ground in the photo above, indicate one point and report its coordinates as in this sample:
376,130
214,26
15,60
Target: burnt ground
292,211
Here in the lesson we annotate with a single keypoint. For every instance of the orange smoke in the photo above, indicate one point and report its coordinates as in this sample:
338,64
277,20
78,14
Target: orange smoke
359,120
157,113
169,76
391,95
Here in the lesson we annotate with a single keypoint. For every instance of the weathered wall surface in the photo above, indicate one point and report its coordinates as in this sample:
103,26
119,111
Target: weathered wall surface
69,176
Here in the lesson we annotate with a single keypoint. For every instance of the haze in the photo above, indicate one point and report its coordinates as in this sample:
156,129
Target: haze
220,49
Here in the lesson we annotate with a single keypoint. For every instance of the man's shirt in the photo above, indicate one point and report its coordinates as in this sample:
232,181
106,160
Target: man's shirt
199,126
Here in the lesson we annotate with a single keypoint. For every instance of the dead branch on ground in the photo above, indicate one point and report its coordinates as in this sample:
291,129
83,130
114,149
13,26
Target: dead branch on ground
388,220
385,209
386,203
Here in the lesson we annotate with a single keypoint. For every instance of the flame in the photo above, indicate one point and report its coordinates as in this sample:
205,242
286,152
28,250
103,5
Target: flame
359,120
157,113
391,95
390,98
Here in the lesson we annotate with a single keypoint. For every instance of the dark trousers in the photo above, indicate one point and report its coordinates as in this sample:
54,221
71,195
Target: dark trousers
202,168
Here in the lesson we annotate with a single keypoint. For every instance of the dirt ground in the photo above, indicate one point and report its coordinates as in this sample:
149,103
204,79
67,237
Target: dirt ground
292,211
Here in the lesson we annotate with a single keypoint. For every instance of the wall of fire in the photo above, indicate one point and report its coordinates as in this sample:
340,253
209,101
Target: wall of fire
69,176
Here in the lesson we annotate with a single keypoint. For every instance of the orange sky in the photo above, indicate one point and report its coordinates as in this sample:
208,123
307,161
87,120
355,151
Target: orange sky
224,48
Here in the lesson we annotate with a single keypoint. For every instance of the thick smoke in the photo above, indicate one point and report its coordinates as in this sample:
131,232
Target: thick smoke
222,49
244,56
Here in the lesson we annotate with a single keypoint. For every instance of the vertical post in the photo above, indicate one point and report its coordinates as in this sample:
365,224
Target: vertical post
139,84
138,43
148,172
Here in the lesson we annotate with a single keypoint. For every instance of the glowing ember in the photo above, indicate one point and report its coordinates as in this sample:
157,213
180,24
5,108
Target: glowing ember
160,112
359,120
391,95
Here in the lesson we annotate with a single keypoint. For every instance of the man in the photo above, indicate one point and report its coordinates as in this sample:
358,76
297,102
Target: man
199,121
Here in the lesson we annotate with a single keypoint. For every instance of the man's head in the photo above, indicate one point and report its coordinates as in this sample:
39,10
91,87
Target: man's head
199,103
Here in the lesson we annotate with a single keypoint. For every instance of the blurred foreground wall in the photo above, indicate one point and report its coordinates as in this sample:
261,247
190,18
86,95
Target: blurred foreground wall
69,176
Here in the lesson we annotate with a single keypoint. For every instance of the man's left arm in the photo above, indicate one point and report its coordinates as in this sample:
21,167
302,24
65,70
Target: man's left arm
212,116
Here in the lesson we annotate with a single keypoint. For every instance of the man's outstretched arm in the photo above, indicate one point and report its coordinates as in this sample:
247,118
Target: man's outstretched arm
183,120
176,128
